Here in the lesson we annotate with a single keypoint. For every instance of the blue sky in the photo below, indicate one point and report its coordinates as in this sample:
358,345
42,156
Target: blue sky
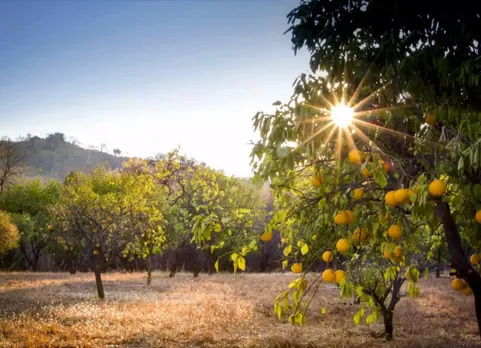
146,76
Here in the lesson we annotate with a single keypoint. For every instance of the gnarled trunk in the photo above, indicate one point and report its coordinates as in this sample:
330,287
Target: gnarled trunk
100,286
458,258
438,266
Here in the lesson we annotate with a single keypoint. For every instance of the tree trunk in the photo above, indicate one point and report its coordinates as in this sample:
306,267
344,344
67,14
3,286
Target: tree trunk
438,266
196,264
174,265
388,327
148,266
72,269
458,258
100,287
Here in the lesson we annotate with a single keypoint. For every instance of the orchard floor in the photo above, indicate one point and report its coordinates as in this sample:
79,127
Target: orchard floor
59,310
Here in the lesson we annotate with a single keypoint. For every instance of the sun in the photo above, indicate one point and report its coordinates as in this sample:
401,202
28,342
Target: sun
342,114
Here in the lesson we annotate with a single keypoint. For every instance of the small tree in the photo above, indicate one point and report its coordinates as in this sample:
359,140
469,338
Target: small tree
96,209
28,204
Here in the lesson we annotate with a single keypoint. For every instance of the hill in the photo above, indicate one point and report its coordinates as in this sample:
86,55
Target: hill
54,157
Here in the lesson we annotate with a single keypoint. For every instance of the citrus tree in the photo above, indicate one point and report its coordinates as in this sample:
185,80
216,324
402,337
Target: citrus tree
103,213
386,129
27,203
8,233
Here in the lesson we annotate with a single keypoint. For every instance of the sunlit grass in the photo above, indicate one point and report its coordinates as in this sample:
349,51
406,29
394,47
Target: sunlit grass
220,311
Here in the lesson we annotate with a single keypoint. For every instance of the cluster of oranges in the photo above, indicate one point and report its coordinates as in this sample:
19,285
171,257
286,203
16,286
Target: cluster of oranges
460,285
344,217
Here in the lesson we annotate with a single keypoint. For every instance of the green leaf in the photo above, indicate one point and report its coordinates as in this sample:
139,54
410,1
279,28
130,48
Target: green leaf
380,178
241,263
257,181
216,265
304,249
285,263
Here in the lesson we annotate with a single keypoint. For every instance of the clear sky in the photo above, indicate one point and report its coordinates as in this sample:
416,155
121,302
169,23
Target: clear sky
146,76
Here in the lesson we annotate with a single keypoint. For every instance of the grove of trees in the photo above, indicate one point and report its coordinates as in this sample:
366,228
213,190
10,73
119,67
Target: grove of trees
374,165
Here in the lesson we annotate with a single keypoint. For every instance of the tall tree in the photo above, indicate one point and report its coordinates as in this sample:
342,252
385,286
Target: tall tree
12,165
410,70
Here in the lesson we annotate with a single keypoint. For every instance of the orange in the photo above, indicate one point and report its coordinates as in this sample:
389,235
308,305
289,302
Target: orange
387,254
317,181
266,237
49,227
400,196
328,275
341,219
437,188
342,245
430,120
358,194
474,259
340,275
477,217
296,268
395,232
327,256
399,252
390,199
355,156
457,284
467,291
350,216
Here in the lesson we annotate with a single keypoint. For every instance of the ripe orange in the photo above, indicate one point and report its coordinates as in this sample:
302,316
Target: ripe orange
340,275
477,217
437,188
395,232
317,181
266,237
342,245
350,216
467,290
358,194
430,120
328,275
49,227
355,156
387,254
400,196
474,259
341,218
327,256
362,235
390,199
457,284
399,252
296,268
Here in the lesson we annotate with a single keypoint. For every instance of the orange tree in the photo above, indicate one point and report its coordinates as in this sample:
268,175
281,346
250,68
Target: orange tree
392,108
106,212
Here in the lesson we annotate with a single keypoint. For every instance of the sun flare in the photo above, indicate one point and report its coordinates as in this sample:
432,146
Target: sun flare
342,115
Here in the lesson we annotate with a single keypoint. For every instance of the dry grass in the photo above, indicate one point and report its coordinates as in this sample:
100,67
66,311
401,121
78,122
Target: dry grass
59,310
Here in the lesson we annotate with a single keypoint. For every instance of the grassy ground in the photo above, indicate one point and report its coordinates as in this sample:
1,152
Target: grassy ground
47,309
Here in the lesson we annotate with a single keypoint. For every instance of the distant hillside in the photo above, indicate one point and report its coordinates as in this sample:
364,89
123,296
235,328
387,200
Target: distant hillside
55,158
